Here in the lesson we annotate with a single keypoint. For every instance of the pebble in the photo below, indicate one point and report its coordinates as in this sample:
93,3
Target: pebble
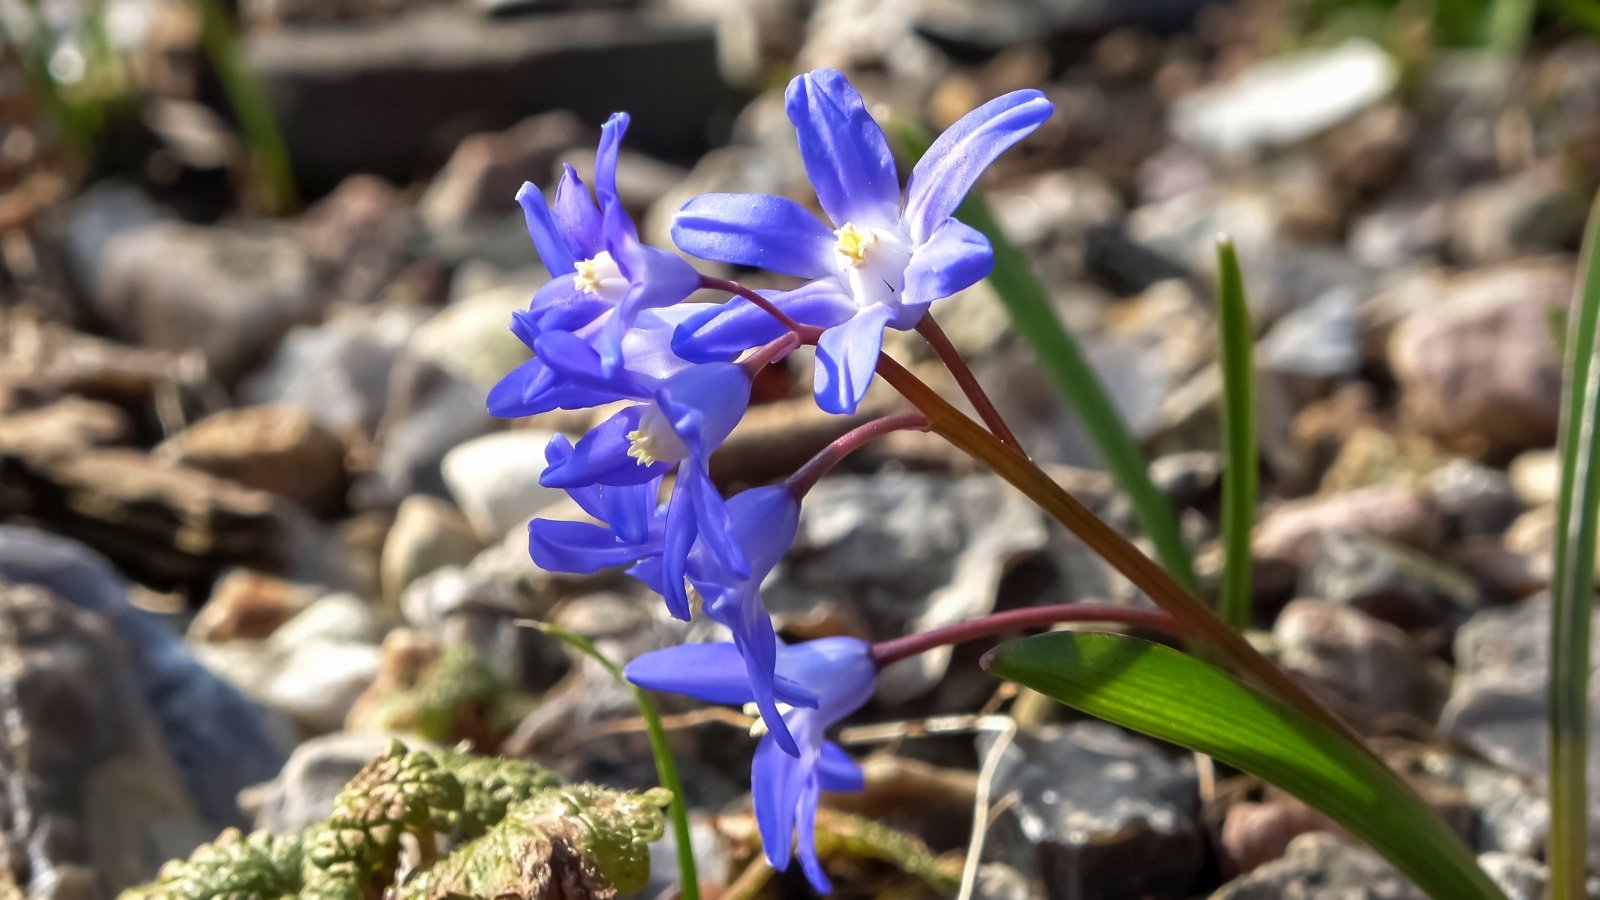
428,533
495,481
280,449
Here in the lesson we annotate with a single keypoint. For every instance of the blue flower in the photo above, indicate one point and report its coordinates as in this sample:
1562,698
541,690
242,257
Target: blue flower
602,277
632,529
822,682
880,263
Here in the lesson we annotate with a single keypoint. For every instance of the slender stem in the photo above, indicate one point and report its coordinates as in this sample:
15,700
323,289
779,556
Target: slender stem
1196,618
770,353
893,651
952,359
1239,452
807,475
808,334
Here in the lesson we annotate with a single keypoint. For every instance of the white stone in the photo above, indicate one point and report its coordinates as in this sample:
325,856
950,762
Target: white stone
495,480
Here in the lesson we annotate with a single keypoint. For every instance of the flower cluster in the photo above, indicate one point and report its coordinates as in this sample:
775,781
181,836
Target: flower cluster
614,325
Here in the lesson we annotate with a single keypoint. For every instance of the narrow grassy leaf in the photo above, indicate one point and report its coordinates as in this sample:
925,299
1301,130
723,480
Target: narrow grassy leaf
1160,692
1028,302
1238,438
1572,588
269,156
666,765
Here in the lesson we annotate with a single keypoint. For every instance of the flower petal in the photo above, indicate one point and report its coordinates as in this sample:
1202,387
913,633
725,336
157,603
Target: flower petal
807,827
847,356
532,388
601,456
713,526
605,158
776,779
756,230
547,240
581,548
725,331
944,175
714,673
758,644
955,258
844,150
838,771
704,403
577,215
575,360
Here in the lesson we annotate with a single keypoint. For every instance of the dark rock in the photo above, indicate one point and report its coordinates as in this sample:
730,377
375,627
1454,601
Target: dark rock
1534,211
221,741
1320,866
230,294
92,783
484,173
445,71
1477,501
1477,364
1257,833
357,236
1099,814
338,371
429,411
279,449
1368,667
1389,582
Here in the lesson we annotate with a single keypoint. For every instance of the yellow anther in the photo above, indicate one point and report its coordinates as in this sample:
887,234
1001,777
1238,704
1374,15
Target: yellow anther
641,446
854,242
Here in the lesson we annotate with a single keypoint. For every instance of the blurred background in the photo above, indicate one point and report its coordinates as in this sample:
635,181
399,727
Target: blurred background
257,262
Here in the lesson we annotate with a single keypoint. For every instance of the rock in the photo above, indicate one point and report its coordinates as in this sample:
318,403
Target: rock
1390,583
357,236
1150,347
1477,501
1320,866
92,783
1289,531
1119,823
1369,667
471,338
340,617
303,793
427,534
280,449
1478,367
68,424
443,72
221,741
1257,833
486,170
1513,815
429,412
1536,476
1399,232
894,554
232,295
247,605
1283,101
108,210
1320,341
161,523
495,481
1534,211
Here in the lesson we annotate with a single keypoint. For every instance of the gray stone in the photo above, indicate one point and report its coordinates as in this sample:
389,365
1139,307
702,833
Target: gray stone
471,338
441,72
429,412
1369,668
94,220
1476,500
1389,582
895,554
1318,341
1533,211
495,481
1320,866
1099,813
486,170
427,534
1282,101
303,793
230,294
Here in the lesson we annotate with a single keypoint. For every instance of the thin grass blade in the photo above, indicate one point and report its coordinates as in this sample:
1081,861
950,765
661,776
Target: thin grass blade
660,749
1572,588
1239,450
1163,693
1028,302
269,156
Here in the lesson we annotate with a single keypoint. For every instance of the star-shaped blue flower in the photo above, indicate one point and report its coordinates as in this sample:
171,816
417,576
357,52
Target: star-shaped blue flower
821,681
879,262
632,525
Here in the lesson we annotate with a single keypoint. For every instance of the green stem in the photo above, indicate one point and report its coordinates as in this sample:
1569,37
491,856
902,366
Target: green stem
660,749
1238,438
269,156
1572,588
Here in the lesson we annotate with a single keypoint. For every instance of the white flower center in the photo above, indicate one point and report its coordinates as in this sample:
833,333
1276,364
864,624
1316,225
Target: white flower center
601,277
654,440
872,262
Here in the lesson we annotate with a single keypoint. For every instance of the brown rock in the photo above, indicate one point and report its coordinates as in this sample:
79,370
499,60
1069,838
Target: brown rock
279,449
483,175
71,423
427,534
1370,669
1288,532
248,605
1478,366
1256,833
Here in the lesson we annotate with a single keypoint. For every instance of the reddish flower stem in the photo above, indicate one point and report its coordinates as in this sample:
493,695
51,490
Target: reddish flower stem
940,342
808,334
807,475
892,651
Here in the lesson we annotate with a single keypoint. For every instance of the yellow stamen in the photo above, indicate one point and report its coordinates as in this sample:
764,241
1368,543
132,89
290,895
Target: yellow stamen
641,446
854,242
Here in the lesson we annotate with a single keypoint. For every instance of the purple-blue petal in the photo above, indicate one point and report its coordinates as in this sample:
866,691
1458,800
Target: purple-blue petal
847,357
807,838
838,771
704,403
532,388
605,158
575,360
776,779
577,215
712,524
765,520
756,230
846,155
677,540
581,548
714,673
725,331
553,250
601,456
944,175
630,510
955,258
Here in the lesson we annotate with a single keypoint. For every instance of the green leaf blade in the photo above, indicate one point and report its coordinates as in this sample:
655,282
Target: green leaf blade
1158,691
1239,449
1572,587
